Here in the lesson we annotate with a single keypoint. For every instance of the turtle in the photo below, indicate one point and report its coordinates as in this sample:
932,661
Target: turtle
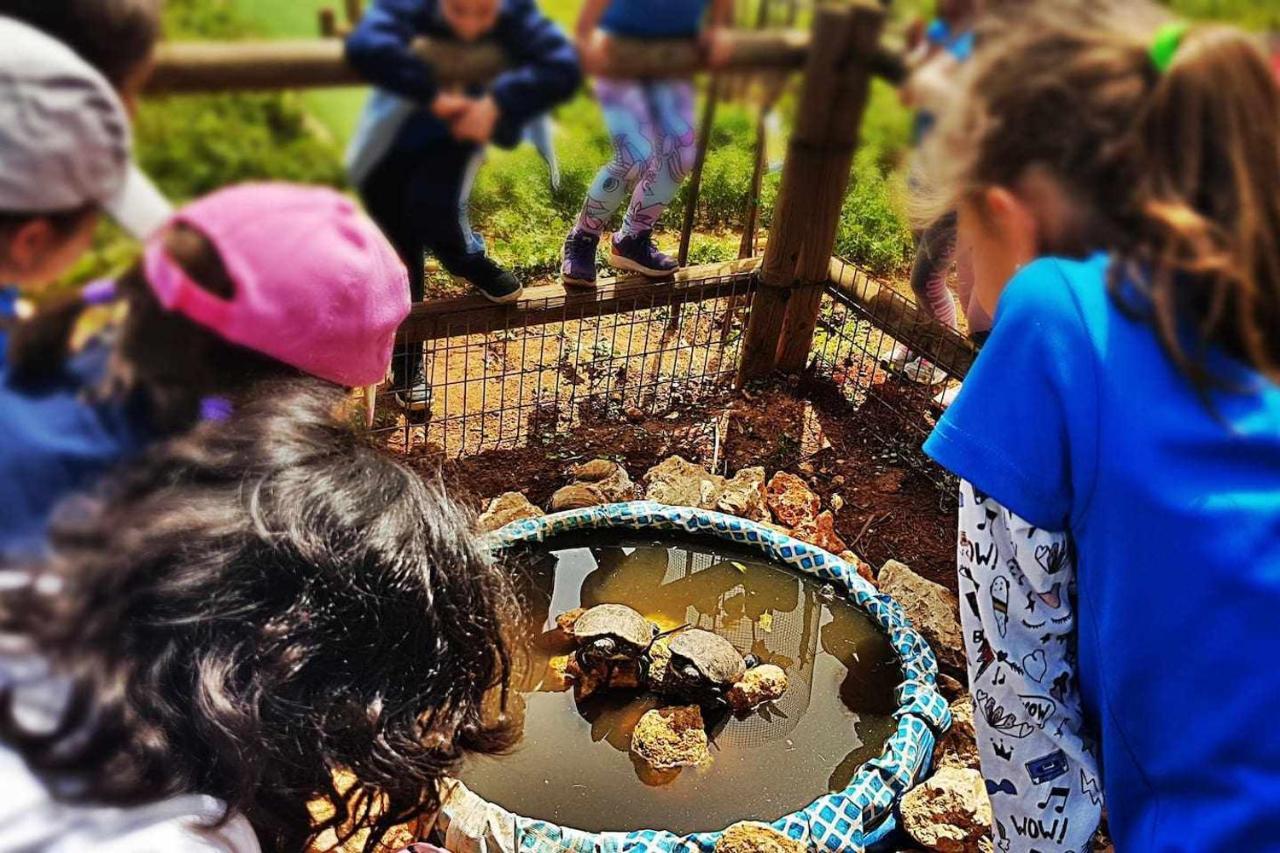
610,634
704,666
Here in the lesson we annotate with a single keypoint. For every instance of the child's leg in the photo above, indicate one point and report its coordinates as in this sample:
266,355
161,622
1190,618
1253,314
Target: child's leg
1017,585
439,187
626,114
672,105
929,273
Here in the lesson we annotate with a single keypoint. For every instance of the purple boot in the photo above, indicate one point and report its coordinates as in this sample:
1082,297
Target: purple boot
579,266
637,253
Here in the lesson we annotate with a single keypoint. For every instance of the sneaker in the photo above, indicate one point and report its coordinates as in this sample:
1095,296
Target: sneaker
637,253
493,282
578,268
899,357
415,394
924,372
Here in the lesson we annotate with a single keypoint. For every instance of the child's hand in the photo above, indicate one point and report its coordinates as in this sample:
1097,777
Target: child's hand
449,106
593,50
717,47
476,124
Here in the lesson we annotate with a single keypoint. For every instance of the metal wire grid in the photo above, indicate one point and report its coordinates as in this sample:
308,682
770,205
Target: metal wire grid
519,384
855,349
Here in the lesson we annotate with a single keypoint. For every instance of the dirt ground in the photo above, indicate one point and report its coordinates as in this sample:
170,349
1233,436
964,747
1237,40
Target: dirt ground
864,460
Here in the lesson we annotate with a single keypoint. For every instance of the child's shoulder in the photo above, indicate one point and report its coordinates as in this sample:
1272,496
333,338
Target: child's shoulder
1058,290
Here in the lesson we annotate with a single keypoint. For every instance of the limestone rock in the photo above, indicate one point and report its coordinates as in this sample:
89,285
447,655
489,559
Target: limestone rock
959,747
505,509
864,568
950,812
676,481
820,530
659,661
609,477
761,684
577,496
752,837
743,496
933,610
790,500
668,738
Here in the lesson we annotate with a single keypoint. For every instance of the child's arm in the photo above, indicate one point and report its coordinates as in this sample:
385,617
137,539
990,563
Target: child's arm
715,41
379,48
1018,611
545,72
589,19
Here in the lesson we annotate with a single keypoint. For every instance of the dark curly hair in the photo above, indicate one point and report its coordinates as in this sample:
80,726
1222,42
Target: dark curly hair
256,606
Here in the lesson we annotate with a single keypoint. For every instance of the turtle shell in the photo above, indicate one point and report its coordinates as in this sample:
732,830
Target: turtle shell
712,655
614,620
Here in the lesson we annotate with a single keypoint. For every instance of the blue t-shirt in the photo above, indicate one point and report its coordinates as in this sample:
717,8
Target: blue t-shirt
54,444
1074,418
958,44
8,313
655,18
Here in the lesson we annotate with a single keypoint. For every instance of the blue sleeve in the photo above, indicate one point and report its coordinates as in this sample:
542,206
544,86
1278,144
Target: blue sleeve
1024,428
938,32
545,70
380,48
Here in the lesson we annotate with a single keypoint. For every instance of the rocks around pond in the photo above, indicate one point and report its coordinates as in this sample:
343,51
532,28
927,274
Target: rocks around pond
594,483
752,837
676,481
671,738
744,496
949,813
790,500
505,509
820,530
764,683
932,609
959,746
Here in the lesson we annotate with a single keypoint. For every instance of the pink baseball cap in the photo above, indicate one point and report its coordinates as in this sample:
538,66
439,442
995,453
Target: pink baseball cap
317,285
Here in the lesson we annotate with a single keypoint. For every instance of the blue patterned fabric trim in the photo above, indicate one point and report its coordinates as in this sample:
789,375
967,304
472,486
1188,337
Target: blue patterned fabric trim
843,821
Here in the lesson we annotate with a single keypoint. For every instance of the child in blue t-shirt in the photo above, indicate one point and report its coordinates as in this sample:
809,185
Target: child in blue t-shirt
1119,436
651,124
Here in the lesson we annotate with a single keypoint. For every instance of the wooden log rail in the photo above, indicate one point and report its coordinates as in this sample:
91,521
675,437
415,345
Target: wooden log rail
539,306
186,67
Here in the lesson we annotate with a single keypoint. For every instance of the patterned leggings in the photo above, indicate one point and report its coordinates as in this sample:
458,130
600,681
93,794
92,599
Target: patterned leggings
651,124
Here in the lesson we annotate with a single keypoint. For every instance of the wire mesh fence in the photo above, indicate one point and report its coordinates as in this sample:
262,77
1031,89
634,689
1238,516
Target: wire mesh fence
503,377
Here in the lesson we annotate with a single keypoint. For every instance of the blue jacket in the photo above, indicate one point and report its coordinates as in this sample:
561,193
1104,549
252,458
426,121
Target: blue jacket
544,72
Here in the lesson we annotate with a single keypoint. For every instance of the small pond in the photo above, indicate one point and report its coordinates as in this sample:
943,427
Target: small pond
574,766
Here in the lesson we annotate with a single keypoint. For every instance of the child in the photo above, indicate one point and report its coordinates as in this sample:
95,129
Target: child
937,62
651,125
65,148
1119,436
419,146
244,613
250,283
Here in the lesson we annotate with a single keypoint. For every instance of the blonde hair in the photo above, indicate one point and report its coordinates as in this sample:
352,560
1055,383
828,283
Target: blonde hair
1177,172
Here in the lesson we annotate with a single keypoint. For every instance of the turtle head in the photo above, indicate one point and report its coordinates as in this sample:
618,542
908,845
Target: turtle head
598,651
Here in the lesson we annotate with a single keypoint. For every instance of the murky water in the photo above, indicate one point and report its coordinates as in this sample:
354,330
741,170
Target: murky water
574,765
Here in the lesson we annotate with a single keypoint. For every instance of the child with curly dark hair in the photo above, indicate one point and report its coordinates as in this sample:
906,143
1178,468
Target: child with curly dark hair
222,628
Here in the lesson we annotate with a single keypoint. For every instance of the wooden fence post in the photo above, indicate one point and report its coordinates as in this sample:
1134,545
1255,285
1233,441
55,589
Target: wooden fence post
812,270
815,174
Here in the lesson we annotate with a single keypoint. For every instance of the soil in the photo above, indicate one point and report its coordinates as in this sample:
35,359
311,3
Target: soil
890,503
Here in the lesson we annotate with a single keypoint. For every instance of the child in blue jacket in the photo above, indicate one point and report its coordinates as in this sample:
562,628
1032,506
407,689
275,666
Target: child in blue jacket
419,146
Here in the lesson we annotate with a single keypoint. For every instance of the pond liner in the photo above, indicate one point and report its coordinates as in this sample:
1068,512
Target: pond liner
852,819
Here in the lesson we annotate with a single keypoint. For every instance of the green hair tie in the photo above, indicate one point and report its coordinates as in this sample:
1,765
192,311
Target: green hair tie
1165,47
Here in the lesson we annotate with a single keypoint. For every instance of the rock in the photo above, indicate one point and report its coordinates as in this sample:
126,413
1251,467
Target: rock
675,481
609,477
761,684
864,568
821,531
743,496
790,500
668,738
959,747
577,496
504,509
557,679
837,480
933,610
948,813
806,468
950,687
837,502
751,837
633,414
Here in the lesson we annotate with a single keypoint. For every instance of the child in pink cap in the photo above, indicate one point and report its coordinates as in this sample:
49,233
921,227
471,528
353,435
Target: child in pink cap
251,283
